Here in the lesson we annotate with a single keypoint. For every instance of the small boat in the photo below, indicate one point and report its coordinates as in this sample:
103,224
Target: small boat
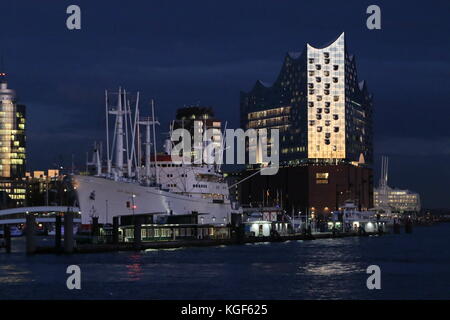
15,231
349,218
53,231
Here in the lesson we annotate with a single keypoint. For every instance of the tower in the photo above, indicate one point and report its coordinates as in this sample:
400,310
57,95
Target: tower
12,145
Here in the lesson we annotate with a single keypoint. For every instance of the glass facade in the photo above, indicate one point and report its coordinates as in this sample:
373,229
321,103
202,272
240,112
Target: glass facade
399,200
12,145
323,112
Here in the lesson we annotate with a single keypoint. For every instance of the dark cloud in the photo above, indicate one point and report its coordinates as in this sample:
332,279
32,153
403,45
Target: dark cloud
184,52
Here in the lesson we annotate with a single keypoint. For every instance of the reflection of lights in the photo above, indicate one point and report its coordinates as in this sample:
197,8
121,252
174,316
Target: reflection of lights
334,268
134,269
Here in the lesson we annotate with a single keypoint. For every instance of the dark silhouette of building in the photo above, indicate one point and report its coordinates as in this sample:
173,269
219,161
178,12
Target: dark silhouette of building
197,120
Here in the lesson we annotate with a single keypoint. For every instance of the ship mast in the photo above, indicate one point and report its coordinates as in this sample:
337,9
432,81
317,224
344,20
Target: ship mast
147,122
119,135
108,159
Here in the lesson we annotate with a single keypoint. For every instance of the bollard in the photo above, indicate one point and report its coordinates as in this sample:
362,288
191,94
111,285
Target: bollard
68,232
408,226
58,223
115,230
137,233
7,236
95,226
396,228
95,230
30,234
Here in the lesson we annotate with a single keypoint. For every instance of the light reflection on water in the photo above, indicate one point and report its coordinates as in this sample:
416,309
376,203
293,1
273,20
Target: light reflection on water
413,266
12,274
134,268
330,269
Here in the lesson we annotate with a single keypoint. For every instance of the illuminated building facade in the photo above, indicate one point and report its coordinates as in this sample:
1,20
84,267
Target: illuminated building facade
401,201
12,145
323,112
324,116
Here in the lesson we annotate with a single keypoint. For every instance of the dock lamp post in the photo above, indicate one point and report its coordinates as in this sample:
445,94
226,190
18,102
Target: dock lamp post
133,206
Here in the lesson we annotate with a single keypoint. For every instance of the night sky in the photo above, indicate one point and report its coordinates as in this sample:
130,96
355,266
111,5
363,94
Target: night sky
189,52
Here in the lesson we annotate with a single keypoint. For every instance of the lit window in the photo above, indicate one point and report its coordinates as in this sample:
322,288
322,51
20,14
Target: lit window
322,177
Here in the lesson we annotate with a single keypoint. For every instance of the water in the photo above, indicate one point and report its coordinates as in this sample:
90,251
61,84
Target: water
413,266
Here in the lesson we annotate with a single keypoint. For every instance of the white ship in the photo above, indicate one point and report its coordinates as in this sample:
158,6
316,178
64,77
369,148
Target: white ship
156,186
353,219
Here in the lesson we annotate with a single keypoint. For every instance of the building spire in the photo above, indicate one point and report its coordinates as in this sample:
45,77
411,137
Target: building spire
2,70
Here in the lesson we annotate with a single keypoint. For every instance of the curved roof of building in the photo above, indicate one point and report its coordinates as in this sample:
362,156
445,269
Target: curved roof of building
328,43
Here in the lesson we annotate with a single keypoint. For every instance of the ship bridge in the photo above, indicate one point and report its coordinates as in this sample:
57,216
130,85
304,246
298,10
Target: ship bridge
44,214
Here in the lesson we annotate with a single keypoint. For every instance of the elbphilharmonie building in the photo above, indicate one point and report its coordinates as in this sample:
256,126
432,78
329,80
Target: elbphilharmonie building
322,109
323,112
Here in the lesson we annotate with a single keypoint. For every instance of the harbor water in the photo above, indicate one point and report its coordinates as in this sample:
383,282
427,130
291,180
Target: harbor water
413,266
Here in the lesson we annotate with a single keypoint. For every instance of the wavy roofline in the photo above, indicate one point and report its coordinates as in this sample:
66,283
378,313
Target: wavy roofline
327,44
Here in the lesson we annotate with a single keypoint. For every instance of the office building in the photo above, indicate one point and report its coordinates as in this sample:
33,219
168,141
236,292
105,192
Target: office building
12,146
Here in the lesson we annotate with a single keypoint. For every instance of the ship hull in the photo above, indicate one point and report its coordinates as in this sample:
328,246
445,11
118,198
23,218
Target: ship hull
106,198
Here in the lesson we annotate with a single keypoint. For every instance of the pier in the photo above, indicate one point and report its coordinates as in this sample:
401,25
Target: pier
140,245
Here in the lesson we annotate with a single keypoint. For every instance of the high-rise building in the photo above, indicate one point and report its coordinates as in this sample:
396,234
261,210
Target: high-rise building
323,112
197,120
324,116
12,145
